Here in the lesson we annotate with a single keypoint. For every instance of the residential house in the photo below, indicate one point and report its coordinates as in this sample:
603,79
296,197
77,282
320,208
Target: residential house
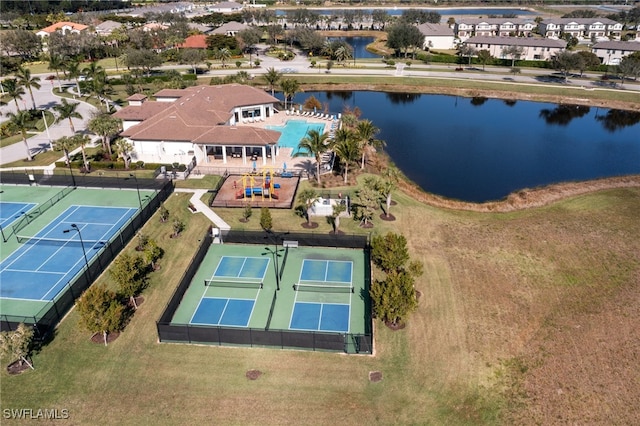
437,36
534,49
198,41
106,28
581,28
63,27
225,7
612,52
201,122
204,29
230,29
493,27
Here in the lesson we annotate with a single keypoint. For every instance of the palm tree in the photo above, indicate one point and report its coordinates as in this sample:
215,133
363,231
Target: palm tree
338,209
13,90
391,176
65,144
272,76
25,80
308,198
347,149
316,144
20,122
223,55
73,69
289,89
83,141
56,63
366,132
105,126
123,149
67,111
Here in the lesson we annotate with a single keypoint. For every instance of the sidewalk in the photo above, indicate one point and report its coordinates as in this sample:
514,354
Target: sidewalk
196,200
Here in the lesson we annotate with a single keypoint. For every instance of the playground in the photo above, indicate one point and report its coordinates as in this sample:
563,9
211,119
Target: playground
264,188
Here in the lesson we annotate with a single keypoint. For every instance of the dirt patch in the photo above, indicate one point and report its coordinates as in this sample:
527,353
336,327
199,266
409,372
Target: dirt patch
99,339
389,218
307,225
253,374
395,326
375,376
16,367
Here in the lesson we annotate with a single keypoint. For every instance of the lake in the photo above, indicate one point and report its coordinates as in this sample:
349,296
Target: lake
497,11
478,149
359,45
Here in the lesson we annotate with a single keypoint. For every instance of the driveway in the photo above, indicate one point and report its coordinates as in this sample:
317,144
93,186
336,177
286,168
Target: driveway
45,99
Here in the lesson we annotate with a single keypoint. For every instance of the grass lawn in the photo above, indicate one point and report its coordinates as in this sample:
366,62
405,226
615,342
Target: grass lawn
498,292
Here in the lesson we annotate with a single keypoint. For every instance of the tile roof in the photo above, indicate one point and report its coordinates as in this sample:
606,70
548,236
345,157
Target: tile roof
141,112
518,41
200,115
230,26
198,41
633,46
431,30
55,27
583,21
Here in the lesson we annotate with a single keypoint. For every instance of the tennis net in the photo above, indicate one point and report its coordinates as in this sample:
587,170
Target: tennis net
59,242
323,287
232,284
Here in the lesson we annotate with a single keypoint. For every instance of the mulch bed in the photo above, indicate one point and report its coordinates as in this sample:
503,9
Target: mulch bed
389,218
312,225
368,225
375,376
16,368
98,339
253,374
139,301
395,326
338,232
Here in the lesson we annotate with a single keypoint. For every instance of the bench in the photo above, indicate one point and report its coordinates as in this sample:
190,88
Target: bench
286,174
288,243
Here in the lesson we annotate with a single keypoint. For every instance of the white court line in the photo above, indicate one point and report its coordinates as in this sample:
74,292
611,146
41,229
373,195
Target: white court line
197,307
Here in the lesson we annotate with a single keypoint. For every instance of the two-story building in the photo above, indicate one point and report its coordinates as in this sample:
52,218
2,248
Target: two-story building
201,122
493,27
533,48
437,36
581,28
611,52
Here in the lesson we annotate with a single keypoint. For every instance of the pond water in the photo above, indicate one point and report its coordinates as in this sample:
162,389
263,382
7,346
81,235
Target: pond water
359,45
478,149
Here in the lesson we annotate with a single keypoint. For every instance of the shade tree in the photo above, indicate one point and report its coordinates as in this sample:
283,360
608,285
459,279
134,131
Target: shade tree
17,345
129,273
101,311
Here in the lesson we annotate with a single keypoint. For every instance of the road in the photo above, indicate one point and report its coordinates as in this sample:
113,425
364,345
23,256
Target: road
300,65
45,99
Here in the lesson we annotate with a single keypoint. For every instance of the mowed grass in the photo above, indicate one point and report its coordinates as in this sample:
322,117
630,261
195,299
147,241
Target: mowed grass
495,286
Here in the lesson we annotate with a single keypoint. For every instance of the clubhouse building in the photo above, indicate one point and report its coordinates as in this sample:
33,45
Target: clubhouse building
208,124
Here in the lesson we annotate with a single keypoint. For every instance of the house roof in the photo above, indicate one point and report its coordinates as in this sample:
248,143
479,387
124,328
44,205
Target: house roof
137,97
632,46
226,5
199,27
107,26
141,112
58,25
199,115
431,30
492,21
230,26
583,21
518,41
198,41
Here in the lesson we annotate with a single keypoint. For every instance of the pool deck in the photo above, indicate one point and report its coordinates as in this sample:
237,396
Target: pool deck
284,156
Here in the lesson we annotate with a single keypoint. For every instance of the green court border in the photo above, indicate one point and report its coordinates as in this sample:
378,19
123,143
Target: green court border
290,264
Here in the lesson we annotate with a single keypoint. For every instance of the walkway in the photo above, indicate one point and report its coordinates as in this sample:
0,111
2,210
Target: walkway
196,200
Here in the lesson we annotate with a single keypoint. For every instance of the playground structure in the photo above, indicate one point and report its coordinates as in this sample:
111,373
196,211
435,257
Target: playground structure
266,188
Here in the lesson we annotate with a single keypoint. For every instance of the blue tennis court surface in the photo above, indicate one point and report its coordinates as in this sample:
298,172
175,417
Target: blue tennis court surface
241,267
223,311
40,269
10,212
332,317
331,271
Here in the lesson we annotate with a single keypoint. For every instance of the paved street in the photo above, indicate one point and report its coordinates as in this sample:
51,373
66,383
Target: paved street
45,99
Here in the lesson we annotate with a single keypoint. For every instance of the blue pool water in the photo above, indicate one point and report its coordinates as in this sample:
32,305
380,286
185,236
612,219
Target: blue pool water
293,131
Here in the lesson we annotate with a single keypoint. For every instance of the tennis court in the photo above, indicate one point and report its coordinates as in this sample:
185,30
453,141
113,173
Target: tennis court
231,292
12,211
44,263
326,310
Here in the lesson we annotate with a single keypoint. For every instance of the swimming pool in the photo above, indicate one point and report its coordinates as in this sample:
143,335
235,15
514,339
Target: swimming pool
293,131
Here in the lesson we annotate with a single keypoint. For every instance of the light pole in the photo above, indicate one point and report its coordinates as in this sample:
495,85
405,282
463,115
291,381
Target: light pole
131,175
275,254
84,252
